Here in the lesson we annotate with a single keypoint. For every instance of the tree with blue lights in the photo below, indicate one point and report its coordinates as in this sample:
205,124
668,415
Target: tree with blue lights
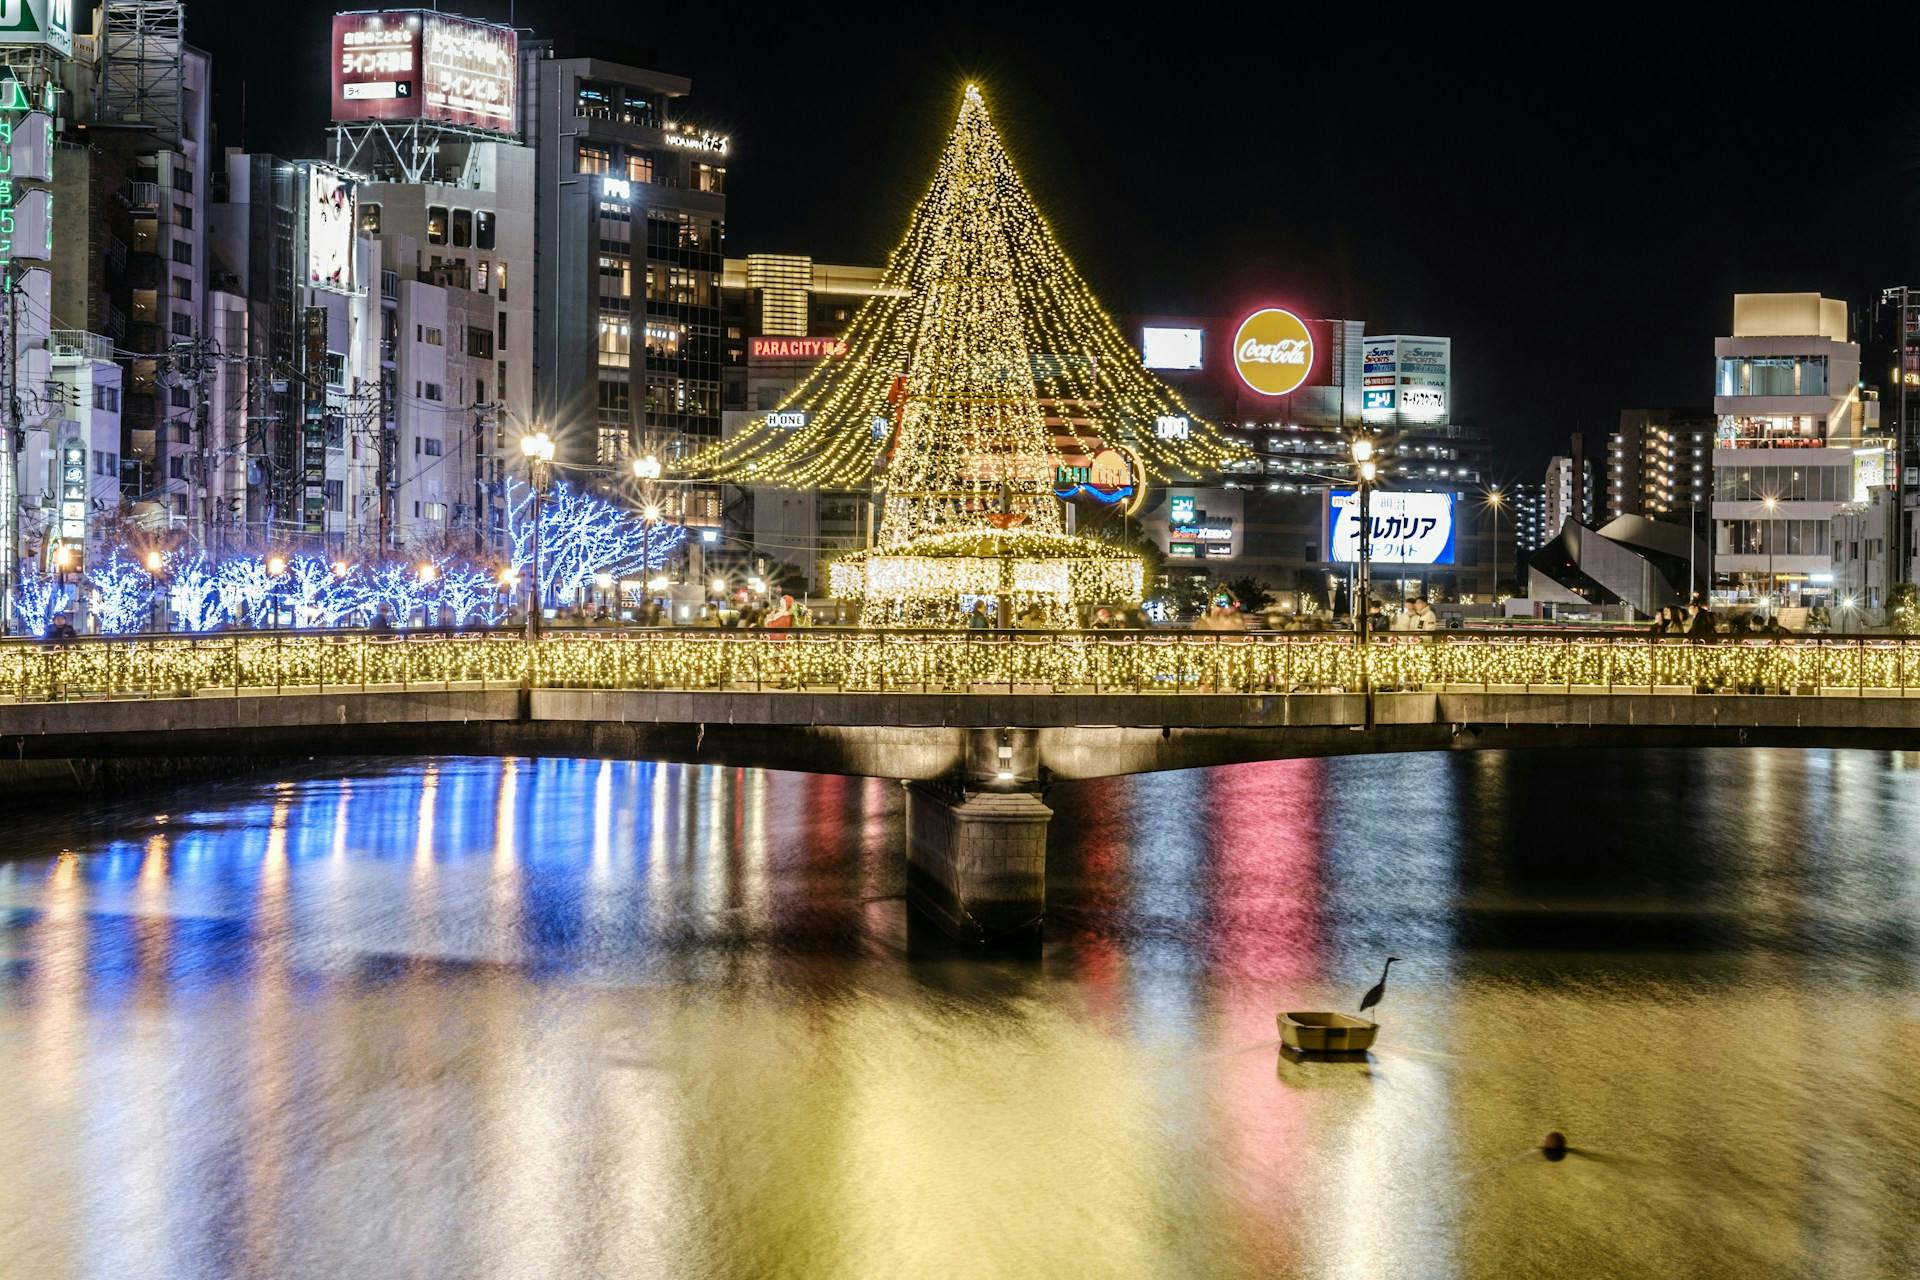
583,535
36,598
123,593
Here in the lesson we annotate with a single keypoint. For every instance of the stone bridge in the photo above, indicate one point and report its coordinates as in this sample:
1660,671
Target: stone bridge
976,723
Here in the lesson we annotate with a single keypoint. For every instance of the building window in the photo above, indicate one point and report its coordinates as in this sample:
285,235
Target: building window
370,217
176,467
500,336
180,398
431,336
428,445
483,276
183,216
593,101
336,369
183,252
437,224
483,229
183,181
436,510
107,398
639,168
616,341
183,326
463,228
593,159
430,391
637,109
183,289
336,491
709,177
500,286
479,344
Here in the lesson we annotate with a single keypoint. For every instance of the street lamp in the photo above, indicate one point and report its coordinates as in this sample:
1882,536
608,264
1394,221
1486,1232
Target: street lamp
1495,501
1773,536
156,563
1364,469
276,566
539,450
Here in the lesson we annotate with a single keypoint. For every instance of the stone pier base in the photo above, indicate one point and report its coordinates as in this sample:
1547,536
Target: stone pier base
977,862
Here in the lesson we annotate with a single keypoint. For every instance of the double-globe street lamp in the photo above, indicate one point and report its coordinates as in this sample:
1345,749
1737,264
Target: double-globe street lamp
539,450
646,470
1364,470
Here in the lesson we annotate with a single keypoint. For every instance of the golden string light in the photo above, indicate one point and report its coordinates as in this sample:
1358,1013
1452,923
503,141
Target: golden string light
980,286
957,661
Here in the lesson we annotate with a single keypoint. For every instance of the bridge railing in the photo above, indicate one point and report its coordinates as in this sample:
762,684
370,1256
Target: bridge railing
1101,662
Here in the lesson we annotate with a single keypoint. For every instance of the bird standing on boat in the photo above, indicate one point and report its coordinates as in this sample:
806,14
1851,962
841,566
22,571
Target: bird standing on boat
1378,989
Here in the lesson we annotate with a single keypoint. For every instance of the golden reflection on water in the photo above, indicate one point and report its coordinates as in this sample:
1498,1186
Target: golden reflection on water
684,1039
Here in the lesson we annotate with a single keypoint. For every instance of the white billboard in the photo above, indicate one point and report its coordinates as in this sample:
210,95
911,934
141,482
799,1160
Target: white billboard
1406,379
38,22
1408,528
1167,348
331,223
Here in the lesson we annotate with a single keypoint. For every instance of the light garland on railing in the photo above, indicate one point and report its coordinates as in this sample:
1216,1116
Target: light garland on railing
953,662
1030,329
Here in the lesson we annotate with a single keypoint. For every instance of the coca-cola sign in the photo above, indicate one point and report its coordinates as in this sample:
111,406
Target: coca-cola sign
1273,351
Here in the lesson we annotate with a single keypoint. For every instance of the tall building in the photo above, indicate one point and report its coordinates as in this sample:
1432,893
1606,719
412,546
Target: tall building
131,261
1660,463
1794,441
1278,518
1566,493
782,315
1528,502
631,218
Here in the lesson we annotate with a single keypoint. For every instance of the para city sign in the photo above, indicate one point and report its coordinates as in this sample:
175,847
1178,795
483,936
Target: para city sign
795,348
1273,351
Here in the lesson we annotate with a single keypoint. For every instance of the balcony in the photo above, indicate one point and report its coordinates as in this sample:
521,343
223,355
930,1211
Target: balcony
143,195
78,344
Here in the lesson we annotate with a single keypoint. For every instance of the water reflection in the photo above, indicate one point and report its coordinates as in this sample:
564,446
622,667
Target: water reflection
600,1017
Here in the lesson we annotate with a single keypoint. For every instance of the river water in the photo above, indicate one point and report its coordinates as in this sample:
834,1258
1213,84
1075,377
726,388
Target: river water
580,1018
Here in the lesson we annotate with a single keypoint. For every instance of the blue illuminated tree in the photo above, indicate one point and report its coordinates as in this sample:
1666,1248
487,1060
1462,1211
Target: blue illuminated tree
404,593
471,595
36,598
194,592
123,594
583,535
244,587
320,596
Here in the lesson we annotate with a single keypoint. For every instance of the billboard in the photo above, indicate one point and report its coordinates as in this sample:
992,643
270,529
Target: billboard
38,22
1405,379
414,64
1167,348
1273,351
1408,528
331,221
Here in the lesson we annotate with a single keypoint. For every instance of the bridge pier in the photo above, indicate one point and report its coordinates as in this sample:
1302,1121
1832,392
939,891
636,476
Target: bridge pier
977,861
977,844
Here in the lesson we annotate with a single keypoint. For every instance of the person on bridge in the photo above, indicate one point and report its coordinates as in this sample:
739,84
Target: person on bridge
1417,616
977,619
782,616
1701,624
381,622
61,628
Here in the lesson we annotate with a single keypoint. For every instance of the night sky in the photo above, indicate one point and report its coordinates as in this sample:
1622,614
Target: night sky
1574,209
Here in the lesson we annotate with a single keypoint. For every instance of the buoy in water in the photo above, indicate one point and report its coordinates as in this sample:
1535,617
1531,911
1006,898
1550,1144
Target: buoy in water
1554,1145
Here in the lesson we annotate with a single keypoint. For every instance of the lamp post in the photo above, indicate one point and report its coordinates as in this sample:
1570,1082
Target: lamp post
276,569
1773,537
539,450
1495,501
1364,470
646,471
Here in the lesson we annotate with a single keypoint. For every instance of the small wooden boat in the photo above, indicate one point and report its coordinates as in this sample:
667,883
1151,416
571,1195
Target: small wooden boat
1319,1032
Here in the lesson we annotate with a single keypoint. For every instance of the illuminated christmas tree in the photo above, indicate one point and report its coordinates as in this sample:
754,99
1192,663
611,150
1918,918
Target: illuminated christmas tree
981,367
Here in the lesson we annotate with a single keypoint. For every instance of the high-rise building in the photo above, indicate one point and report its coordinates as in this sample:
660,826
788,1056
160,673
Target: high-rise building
1794,441
782,315
1528,502
631,217
131,260
1276,517
1566,493
1660,463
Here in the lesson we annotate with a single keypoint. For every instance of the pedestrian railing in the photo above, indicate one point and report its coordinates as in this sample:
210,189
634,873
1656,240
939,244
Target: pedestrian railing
891,661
